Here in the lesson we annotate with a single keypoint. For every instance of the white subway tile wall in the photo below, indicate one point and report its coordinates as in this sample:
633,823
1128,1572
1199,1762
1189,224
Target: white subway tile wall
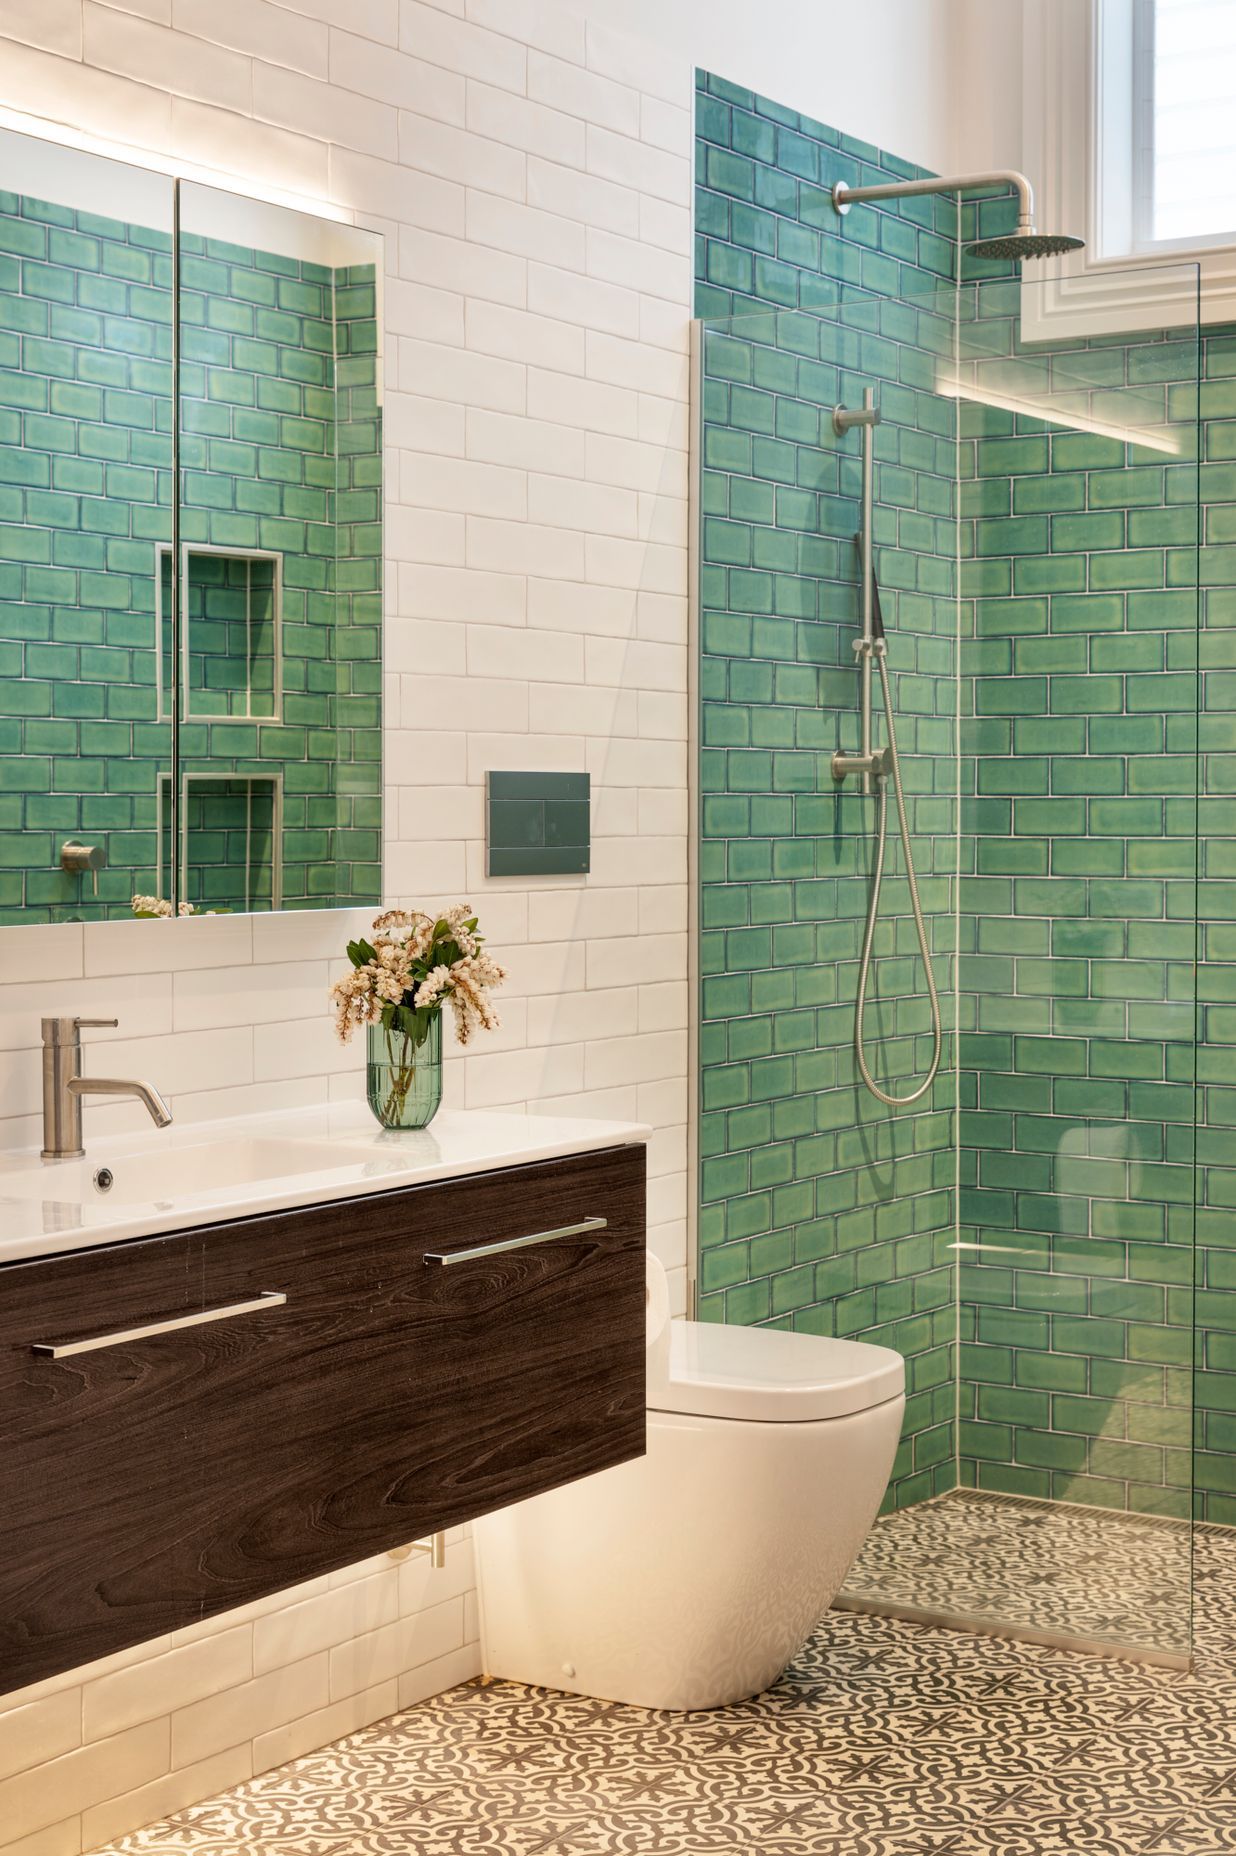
531,175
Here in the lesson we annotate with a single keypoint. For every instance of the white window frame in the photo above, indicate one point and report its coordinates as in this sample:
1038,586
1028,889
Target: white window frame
1076,128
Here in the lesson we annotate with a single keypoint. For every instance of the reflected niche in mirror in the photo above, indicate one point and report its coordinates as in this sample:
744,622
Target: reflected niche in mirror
279,678
192,691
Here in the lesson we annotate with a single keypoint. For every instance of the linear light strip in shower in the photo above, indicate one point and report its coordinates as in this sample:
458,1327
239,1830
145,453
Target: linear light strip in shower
1153,439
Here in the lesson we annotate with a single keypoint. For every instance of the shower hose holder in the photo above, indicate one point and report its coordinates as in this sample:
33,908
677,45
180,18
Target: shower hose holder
877,765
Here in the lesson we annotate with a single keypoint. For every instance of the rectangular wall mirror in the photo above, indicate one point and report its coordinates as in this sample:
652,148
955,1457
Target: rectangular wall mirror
190,546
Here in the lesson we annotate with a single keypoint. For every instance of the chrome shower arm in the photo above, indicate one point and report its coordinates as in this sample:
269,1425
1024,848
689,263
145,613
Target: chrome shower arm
844,197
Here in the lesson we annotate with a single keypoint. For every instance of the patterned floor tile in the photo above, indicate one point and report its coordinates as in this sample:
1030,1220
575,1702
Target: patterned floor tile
1124,1578
885,1738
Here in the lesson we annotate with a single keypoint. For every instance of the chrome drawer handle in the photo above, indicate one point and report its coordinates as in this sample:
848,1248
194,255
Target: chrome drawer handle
63,1350
514,1243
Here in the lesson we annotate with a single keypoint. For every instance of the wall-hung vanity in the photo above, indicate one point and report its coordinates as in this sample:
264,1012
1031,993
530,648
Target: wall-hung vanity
268,1350
190,545
235,1359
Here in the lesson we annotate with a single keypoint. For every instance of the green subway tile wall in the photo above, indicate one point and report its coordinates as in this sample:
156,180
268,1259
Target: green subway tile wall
281,457
1078,677
818,1210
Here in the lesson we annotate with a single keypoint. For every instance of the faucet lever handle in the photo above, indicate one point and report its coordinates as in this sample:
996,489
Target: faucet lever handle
67,1030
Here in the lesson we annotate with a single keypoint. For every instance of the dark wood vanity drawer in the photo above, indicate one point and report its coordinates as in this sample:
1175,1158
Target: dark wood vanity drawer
163,1479
94,1452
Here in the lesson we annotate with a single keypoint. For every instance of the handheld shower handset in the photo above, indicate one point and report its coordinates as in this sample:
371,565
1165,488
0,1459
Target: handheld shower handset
883,768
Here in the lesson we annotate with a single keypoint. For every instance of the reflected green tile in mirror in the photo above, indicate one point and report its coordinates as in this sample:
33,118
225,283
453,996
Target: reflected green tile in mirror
270,774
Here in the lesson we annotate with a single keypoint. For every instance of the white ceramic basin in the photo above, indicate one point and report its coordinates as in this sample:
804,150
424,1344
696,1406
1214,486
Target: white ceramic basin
175,1174
213,1172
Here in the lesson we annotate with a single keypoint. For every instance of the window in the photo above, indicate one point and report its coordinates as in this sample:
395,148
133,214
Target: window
1184,124
1130,137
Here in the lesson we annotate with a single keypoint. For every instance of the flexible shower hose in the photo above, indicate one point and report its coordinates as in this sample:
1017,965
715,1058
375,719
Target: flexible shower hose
893,771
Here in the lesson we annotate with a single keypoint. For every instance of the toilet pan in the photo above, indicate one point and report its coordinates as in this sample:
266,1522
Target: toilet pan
689,1577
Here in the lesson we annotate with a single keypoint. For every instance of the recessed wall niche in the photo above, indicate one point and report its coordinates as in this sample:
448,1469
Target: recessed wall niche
231,621
190,544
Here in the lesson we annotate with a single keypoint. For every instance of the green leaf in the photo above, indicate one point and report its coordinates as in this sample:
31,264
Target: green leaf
410,1021
360,953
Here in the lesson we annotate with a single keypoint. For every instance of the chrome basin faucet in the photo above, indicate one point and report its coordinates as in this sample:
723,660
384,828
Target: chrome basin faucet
64,1086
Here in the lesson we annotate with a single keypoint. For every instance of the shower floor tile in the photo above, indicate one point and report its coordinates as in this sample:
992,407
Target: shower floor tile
1081,1572
885,1738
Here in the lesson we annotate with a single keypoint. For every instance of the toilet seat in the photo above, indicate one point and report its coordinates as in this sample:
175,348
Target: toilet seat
770,1375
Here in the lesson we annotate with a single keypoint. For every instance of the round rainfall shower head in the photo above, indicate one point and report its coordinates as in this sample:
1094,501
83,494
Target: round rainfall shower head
1025,245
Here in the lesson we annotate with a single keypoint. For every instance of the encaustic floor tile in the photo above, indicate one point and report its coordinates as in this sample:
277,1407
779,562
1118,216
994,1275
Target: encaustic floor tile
1083,1572
885,1738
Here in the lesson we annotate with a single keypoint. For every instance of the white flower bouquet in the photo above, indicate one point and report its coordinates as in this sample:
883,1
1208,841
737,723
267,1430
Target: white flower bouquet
400,980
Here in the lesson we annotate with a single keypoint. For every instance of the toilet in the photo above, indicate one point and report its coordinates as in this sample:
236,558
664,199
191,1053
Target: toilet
689,1577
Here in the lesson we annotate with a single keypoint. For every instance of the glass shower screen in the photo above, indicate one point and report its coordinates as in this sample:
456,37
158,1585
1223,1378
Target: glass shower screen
1024,1234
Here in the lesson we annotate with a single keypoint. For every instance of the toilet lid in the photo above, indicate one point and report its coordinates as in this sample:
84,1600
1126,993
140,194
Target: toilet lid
772,1375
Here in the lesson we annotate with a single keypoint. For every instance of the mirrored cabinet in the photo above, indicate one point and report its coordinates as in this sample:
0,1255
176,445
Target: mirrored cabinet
190,546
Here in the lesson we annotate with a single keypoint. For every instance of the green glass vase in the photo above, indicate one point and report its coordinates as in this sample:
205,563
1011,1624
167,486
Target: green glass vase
404,1078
